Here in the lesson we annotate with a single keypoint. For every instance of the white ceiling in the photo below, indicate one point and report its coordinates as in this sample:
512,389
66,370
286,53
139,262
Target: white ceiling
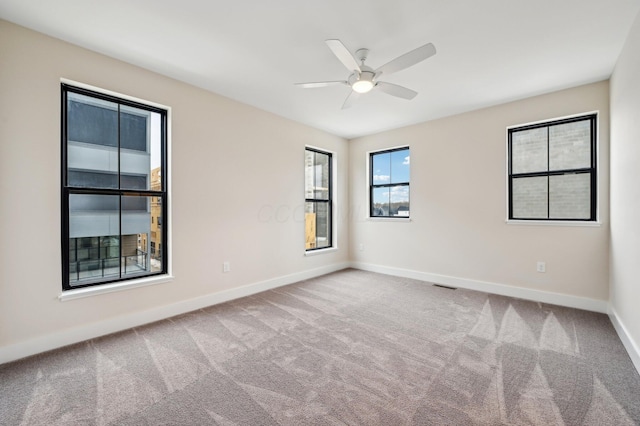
489,51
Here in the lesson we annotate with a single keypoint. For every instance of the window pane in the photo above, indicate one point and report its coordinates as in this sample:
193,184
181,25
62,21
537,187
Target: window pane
141,149
570,146
399,201
309,171
321,184
156,235
94,238
133,128
94,205
317,225
570,196
400,162
91,120
381,173
529,198
381,202
323,225
529,151
310,225
317,175
138,232
92,142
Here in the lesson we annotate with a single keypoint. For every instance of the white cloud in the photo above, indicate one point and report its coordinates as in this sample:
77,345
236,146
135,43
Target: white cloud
407,160
383,178
399,194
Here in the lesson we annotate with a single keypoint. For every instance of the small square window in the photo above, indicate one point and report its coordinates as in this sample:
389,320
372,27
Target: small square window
552,170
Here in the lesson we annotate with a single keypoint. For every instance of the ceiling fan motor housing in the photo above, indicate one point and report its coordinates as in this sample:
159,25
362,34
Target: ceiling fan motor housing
362,81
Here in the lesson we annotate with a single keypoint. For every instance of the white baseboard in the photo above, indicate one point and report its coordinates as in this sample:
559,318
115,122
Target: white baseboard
89,331
585,303
632,347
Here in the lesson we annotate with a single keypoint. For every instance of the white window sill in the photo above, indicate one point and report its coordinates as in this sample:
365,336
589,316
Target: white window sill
110,288
554,223
320,251
390,219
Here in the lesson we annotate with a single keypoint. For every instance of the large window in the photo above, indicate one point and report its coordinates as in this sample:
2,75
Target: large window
113,188
389,183
318,199
552,170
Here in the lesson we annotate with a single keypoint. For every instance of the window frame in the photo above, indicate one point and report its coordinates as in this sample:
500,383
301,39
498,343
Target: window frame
592,170
328,201
373,186
66,190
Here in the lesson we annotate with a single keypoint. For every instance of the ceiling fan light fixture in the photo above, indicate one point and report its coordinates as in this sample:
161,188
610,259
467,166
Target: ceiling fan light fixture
362,86
364,83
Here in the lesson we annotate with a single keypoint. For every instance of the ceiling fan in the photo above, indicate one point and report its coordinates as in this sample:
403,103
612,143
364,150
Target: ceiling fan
364,78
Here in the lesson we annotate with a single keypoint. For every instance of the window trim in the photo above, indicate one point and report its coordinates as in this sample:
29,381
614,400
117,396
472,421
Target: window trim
104,286
593,220
332,246
371,186
95,290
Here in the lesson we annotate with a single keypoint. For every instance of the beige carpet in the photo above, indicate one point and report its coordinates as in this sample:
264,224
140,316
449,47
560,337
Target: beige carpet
353,348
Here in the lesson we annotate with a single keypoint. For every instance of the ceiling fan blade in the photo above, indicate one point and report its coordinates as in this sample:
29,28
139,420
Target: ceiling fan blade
321,84
408,59
353,96
395,90
343,54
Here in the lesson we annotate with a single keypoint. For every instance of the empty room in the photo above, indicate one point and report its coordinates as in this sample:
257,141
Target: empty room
330,213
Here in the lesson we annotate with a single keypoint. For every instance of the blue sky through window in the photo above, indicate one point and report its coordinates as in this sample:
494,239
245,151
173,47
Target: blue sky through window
391,167
381,169
400,166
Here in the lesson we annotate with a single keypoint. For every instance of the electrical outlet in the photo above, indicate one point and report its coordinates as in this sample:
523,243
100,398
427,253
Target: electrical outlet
541,267
226,266
361,247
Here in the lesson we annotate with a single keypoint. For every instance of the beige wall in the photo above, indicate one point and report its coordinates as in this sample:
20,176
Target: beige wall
237,182
458,204
625,188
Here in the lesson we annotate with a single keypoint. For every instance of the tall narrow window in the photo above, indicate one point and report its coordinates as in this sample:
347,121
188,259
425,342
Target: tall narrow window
113,188
318,199
552,170
389,183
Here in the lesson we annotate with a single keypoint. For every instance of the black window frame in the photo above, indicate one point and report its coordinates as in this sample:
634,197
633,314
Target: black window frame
328,201
67,190
373,186
592,169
